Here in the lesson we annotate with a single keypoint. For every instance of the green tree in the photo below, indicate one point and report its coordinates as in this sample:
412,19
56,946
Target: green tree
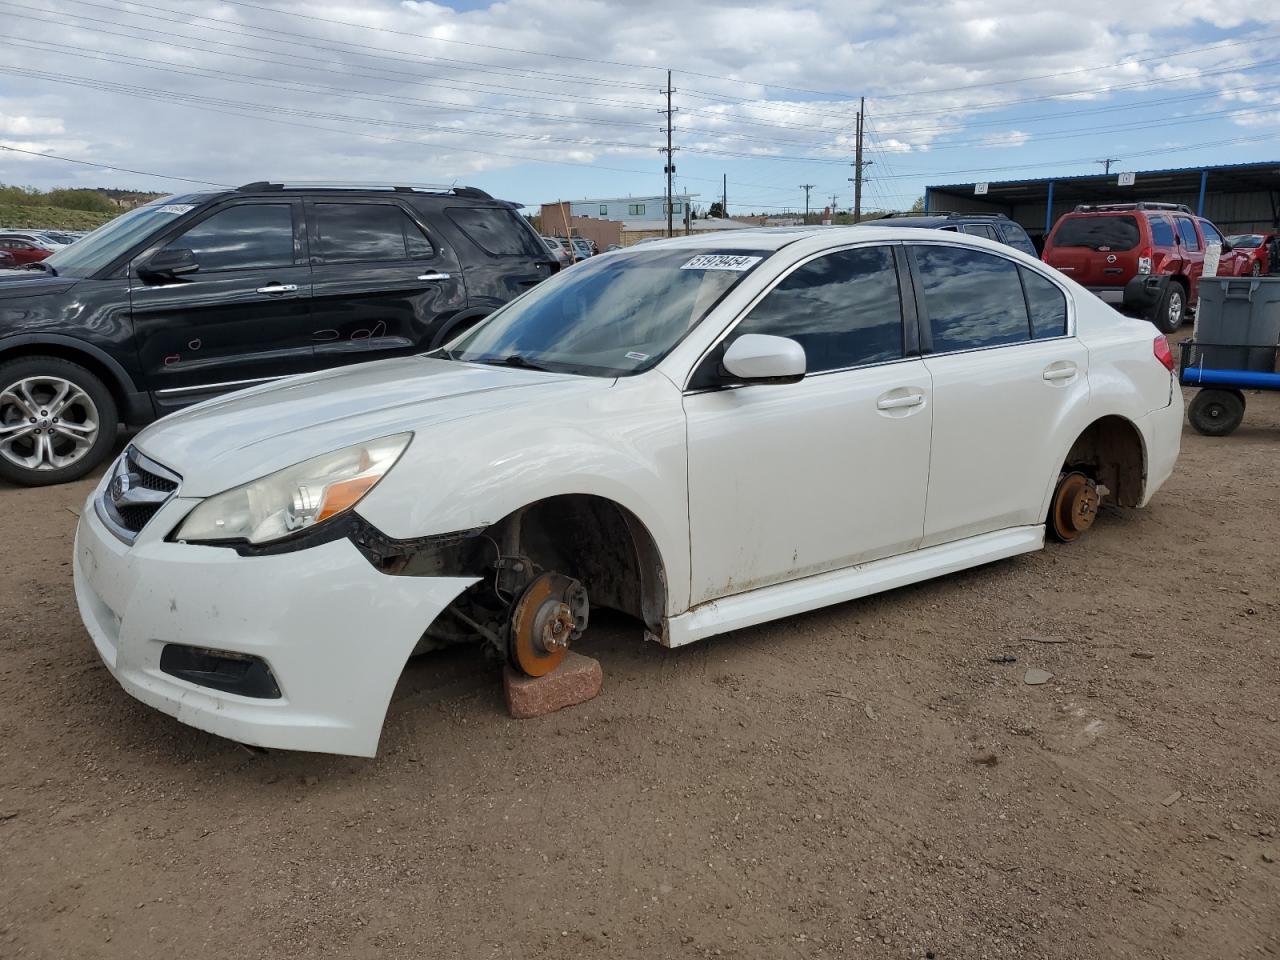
717,211
71,199
918,206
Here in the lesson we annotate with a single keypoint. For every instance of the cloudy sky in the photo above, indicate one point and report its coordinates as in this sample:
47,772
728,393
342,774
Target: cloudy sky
536,100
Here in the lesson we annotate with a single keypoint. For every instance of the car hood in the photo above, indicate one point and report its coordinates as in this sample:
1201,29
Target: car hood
225,442
29,283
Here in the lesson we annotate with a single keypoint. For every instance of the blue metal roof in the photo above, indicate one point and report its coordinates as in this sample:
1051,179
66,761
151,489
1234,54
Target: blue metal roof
1263,168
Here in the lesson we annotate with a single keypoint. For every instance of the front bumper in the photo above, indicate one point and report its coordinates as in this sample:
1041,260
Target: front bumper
334,631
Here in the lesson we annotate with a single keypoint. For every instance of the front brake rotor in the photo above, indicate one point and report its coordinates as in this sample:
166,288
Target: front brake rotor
550,614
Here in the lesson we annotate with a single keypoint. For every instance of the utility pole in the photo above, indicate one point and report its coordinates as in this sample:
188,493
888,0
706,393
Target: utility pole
806,187
859,165
669,150
833,205
724,196
1106,164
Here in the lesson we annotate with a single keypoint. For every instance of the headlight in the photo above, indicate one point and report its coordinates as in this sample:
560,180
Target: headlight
296,497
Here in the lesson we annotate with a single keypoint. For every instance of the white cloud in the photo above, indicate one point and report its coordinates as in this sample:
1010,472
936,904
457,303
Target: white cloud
259,93
19,125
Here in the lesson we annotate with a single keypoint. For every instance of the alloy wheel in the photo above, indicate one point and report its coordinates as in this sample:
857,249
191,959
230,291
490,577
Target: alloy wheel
1175,309
46,423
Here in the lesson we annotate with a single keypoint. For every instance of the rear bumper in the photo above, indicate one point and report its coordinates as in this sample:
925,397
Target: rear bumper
1162,439
334,632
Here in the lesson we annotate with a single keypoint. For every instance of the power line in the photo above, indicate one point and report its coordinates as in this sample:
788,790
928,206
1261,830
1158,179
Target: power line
110,166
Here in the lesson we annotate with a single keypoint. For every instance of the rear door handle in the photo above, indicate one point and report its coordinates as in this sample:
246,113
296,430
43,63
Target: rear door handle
897,403
279,288
433,276
1062,370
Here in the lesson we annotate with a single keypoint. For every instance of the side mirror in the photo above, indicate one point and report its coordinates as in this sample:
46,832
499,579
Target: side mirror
1226,247
169,263
758,358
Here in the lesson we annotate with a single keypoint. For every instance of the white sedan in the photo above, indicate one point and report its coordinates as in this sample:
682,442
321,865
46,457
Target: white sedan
705,433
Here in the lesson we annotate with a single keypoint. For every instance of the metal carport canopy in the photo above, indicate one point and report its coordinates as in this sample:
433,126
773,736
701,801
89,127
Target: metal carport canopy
1183,185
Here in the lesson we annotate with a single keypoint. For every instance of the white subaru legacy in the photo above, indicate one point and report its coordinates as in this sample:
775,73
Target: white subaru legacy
704,433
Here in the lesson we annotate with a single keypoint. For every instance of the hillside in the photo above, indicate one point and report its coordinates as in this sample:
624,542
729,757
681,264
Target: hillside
35,217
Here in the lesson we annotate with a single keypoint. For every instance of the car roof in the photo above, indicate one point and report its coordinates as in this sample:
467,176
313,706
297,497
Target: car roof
929,221
775,238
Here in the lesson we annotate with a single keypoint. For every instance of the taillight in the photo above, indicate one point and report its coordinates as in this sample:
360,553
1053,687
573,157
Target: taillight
1144,260
1160,347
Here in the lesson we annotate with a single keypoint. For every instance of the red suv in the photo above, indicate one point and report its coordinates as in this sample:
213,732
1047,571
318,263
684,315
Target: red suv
1146,258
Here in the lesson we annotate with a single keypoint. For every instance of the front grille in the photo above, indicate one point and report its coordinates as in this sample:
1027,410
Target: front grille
137,488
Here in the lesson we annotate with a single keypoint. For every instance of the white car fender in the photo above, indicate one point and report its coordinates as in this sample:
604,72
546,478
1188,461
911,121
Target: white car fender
626,445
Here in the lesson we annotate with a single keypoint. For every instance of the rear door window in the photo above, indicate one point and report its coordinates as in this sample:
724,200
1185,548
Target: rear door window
972,299
1161,232
980,230
363,232
843,308
1102,232
1187,230
496,230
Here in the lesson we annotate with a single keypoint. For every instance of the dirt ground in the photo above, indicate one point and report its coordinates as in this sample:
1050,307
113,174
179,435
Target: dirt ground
858,782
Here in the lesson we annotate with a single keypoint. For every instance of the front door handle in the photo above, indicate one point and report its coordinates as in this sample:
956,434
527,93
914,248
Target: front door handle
279,288
897,403
1062,370
433,276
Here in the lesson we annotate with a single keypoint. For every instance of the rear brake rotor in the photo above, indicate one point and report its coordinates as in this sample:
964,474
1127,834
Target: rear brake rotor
1075,506
550,614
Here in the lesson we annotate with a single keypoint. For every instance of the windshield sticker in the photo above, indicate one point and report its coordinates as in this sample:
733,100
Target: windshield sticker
722,261
176,208
638,357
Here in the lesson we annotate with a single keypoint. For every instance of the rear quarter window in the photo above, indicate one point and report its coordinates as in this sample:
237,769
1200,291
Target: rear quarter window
1161,232
495,230
1102,232
1017,238
1046,305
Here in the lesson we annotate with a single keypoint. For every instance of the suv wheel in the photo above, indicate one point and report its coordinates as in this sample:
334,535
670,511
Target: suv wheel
57,421
1171,310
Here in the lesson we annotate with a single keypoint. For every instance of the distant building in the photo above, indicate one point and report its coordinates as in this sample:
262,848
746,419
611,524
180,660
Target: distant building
633,212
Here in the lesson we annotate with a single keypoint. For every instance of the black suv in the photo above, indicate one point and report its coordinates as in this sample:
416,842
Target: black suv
197,295
993,226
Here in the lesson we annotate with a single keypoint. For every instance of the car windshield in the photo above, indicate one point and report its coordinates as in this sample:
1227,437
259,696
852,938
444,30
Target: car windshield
1246,240
612,316
1098,232
91,253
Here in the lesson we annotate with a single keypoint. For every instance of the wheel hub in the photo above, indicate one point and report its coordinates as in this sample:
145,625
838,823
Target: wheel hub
1075,506
550,614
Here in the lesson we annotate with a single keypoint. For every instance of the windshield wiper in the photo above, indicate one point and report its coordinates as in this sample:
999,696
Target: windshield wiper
513,360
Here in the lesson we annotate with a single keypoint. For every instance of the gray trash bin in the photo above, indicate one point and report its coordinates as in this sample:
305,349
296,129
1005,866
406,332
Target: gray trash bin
1238,323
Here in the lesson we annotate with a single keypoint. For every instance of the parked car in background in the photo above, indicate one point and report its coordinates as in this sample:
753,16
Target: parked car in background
26,248
584,248
59,237
925,402
1145,258
559,249
1259,253
993,226
8,261
202,294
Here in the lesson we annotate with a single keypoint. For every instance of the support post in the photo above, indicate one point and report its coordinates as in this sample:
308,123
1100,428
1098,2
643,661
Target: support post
1204,181
1048,211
